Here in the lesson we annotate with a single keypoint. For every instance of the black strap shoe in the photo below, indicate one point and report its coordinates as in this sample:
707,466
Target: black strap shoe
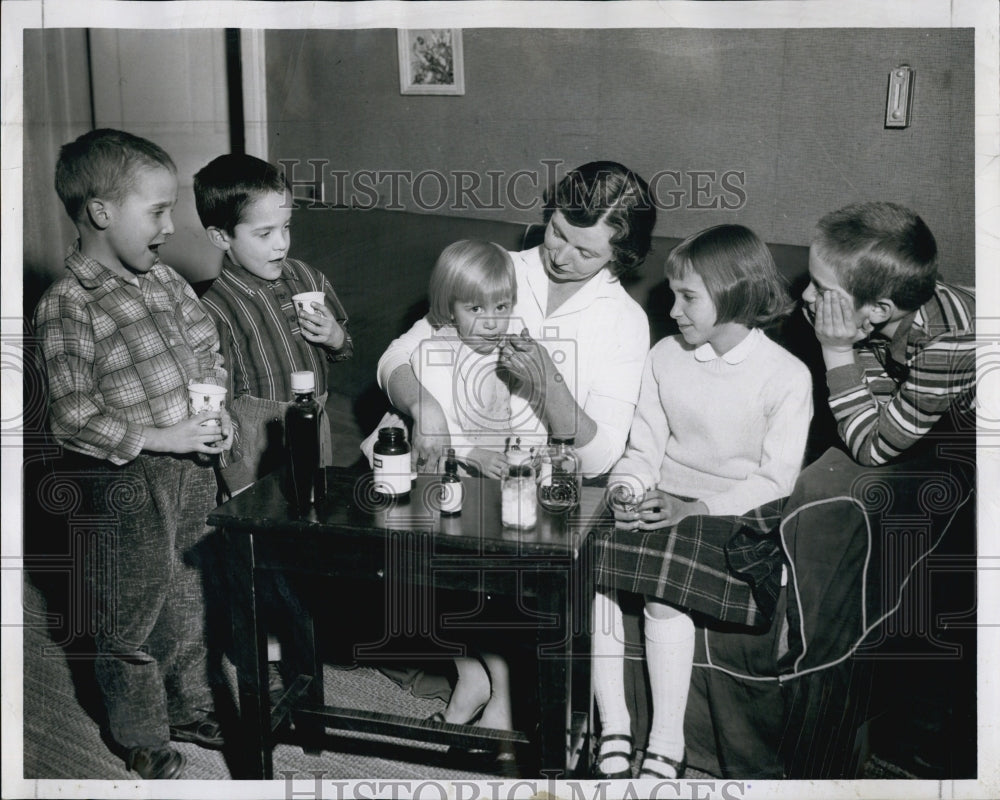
204,732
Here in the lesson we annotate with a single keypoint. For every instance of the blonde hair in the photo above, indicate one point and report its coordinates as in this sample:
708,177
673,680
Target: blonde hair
470,270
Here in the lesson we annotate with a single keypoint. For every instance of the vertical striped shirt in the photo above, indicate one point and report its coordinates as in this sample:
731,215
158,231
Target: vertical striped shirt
259,330
882,411
120,353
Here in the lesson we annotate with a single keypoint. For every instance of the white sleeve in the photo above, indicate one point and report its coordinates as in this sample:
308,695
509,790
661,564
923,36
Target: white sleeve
640,467
614,391
400,349
784,446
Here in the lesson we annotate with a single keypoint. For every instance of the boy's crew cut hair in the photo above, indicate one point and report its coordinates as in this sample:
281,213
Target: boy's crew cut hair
225,186
739,274
878,250
104,163
609,192
470,270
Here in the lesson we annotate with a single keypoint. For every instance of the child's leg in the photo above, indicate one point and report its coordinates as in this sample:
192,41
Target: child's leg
669,654
471,692
178,639
608,670
127,569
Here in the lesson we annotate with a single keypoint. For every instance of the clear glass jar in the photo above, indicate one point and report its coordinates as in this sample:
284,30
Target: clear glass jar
518,499
559,476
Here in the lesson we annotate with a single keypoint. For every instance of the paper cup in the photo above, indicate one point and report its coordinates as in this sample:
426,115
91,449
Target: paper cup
206,397
306,301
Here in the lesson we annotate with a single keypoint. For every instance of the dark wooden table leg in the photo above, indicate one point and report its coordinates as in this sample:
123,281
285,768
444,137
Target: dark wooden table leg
554,676
311,729
249,656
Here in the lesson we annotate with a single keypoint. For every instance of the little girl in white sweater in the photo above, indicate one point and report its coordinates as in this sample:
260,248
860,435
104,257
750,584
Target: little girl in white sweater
720,429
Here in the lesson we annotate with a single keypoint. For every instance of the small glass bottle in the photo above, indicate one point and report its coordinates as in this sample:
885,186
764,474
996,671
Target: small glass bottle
302,435
518,501
391,462
452,491
560,479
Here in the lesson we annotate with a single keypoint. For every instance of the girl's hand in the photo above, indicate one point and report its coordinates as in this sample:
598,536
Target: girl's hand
191,435
320,327
661,510
528,362
624,500
835,326
490,463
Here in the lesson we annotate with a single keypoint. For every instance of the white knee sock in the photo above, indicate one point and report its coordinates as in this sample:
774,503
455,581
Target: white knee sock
669,654
608,669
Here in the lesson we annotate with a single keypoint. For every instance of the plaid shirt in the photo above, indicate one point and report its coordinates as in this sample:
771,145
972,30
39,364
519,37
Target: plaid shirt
119,355
898,389
261,340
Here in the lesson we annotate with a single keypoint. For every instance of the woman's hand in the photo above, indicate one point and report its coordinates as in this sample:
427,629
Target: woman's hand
528,362
320,327
430,437
490,463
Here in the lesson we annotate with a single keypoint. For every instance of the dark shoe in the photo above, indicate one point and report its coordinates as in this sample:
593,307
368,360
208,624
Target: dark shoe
155,763
499,760
204,732
678,766
623,751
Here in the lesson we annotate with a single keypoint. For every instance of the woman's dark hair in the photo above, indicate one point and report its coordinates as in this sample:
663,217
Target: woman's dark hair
605,191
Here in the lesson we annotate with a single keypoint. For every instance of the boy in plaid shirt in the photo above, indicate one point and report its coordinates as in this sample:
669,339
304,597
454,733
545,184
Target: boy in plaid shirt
122,336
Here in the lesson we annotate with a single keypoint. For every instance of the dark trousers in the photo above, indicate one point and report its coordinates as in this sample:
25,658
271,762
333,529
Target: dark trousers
144,581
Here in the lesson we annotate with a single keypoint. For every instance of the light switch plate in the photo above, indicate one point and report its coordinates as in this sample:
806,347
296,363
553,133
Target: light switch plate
899,99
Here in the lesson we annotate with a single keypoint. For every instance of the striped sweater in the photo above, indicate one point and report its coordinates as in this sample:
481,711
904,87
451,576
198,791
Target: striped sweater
880,417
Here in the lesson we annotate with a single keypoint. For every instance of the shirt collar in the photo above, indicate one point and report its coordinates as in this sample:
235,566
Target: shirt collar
602,284
250,283
734,355
91,273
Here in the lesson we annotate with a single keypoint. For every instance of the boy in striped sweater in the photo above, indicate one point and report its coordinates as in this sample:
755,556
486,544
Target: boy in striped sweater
899,346
900,356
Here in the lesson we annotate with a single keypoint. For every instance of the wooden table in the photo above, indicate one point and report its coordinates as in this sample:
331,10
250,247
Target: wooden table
412,551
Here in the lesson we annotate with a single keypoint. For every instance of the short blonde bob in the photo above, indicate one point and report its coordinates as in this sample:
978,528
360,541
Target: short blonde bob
470,270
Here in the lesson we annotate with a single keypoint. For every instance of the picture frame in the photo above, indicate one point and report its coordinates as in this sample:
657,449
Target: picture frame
430,61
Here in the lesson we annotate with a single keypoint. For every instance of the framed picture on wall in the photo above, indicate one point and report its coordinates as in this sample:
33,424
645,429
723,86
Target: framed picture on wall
430,61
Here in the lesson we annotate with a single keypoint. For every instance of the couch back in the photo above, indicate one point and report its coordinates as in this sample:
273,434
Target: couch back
380,261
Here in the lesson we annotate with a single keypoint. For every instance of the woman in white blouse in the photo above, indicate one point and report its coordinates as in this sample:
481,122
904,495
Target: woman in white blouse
582,340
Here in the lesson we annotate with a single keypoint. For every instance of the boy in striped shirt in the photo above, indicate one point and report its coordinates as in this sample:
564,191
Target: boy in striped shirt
246,208
899,346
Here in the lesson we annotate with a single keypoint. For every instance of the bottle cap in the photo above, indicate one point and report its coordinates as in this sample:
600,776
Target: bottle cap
303,382
518,457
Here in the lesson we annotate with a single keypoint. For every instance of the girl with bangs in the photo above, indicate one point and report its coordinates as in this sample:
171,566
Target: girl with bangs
720,429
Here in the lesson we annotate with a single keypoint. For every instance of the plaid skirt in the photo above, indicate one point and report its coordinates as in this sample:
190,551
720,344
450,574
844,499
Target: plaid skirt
727,568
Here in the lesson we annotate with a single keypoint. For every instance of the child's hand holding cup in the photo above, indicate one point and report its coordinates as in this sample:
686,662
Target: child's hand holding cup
204,397
308,303
625,494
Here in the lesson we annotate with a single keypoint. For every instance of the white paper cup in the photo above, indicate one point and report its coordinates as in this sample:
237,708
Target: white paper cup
306,301
206,397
